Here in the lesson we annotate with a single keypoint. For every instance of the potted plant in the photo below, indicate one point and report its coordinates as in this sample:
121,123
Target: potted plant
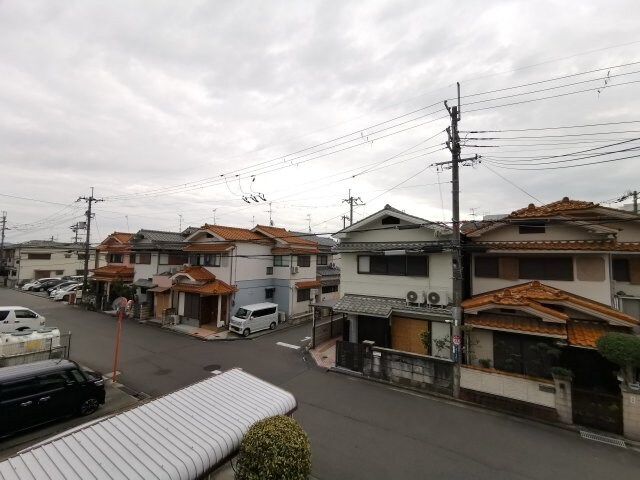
561,373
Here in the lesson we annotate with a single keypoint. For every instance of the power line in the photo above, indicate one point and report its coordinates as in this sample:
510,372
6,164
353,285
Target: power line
552,128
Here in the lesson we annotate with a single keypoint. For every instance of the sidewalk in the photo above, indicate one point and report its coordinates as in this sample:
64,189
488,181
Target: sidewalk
325,354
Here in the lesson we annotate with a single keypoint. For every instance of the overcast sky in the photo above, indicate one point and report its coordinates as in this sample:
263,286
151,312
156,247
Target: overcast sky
174,110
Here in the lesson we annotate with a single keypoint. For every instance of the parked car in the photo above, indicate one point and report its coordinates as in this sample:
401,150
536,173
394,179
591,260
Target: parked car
18,319
36,393
253,318
37,283
23,282
59,286
63,293
47,284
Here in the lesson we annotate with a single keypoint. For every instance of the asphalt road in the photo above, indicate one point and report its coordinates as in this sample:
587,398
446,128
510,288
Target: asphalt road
358,429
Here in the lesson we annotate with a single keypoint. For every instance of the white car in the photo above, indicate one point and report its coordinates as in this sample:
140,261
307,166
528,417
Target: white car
64,293
30,285
56,290
17,319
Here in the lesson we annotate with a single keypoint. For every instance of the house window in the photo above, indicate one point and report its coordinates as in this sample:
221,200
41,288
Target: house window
194,260
531,227
322,259
82,256
143,258
304,294
524,354
621,270
486,267
177,259
269,292
132,258
390,221
212,260
67,255
550,268
269,270
281,261
304,261
402,265
59,272
192,305
330,288
114,258
38,256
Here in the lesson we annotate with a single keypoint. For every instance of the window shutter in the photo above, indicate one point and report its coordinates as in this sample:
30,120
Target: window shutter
634,271
508,268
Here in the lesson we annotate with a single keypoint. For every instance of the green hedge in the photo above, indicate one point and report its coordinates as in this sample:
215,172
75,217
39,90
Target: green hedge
623,349
276,448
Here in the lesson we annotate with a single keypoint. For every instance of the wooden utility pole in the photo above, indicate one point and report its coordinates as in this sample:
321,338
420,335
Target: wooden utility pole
4,227
453,144
87,244
352,201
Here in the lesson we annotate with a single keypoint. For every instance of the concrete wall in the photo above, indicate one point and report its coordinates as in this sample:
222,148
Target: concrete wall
516,388
631,413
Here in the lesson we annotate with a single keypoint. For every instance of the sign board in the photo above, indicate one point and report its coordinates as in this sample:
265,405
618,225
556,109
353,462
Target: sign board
456,339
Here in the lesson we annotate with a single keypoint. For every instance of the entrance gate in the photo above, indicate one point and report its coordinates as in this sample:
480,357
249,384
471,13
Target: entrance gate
597,410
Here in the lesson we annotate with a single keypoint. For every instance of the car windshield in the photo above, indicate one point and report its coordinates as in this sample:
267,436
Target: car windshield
242,313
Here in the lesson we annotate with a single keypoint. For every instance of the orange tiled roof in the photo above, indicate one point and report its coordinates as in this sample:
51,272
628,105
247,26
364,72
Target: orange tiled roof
208,247
554,208
109,272
530,293
216,287
115,241
196,272
513,322
308,284
286,236
234,233
585,334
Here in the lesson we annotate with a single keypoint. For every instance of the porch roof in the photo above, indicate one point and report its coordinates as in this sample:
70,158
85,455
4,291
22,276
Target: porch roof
308,284
585,334
216,287
195,273
365,247
159,289
518,324
385,306
295,250
113,272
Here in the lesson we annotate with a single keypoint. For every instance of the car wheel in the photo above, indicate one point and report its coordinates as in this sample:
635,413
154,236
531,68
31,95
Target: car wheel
272,326
89,406
65,298
245,332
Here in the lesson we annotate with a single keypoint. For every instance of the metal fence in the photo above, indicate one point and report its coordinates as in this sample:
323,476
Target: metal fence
35,350
350,356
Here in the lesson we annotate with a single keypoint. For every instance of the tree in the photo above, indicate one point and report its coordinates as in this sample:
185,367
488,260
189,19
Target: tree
623,349
276,448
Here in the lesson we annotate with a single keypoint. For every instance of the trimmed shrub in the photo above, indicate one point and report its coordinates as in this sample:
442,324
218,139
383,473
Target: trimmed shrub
623,349
276,448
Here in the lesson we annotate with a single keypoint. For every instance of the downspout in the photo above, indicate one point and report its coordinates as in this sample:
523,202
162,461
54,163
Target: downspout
614,303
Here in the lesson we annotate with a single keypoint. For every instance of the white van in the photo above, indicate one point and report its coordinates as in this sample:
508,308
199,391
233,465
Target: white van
17,319
253,318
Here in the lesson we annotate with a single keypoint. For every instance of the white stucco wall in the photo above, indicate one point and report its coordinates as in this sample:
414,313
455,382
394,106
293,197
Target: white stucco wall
600,291
59,262
352,282
507,386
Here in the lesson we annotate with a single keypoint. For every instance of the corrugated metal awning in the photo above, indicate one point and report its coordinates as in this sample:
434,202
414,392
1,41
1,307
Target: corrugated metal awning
159,289
183,435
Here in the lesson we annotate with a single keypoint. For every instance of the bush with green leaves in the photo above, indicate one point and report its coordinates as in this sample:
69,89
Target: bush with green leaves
276,448
623,349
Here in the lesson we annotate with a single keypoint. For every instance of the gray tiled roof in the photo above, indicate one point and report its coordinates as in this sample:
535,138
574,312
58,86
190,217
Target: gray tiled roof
384,306
322,241
50,244
382,246
153,239
327,271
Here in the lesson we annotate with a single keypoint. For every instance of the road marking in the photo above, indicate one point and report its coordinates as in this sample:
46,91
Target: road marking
305,339
288,345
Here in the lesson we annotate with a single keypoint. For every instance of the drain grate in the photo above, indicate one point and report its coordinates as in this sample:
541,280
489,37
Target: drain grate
616,442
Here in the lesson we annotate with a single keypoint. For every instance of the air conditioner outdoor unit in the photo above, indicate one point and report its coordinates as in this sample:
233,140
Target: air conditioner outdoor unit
438,297
414,297
294,269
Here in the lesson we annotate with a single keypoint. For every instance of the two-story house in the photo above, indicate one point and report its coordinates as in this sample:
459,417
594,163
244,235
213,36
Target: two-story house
115,264
41,259
396,281
327,267
546,283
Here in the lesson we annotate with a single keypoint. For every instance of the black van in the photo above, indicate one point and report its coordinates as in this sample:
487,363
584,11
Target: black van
36,393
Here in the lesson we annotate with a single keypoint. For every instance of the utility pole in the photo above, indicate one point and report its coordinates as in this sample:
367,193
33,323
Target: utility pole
214,215
453,144
344,221
309,220
180,228
270,212
635,202
352,201
90,201
4,227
